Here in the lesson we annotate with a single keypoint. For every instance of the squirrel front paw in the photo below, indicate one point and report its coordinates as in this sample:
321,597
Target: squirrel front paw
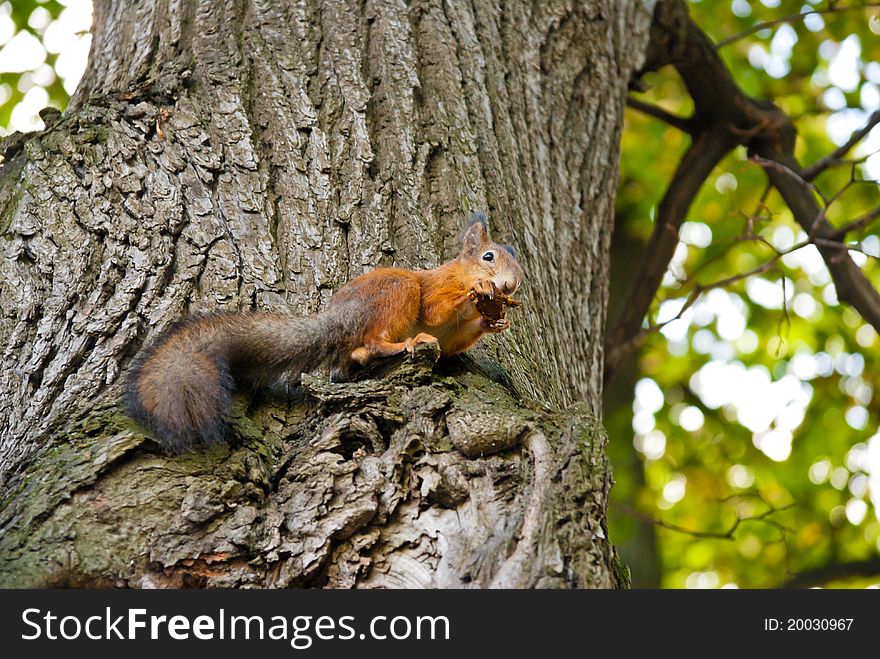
483,288
411,343
495,326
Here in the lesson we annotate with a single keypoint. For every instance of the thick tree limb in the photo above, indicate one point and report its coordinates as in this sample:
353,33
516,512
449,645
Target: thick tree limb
698,162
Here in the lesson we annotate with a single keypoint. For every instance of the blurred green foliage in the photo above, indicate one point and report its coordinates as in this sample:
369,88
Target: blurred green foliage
702,465
29,17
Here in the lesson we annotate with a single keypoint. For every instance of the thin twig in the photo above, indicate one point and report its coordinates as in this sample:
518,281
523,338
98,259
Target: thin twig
682,123
718,535
700,289
791,18
836,244
833,158
859,224
788,171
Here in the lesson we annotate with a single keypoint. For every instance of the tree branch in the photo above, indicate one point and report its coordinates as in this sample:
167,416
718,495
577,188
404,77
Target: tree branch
849,280
682,123
706,151
718,535
724,116
869,567
791,18
636,341
859,224
836,156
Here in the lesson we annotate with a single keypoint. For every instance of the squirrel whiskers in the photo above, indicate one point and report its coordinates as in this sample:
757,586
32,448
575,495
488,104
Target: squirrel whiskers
180,387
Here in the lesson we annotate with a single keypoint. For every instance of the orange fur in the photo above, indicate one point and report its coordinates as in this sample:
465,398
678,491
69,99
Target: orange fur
411,307
181,385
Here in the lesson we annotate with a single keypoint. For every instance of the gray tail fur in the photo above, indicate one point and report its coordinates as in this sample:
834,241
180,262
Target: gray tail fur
180,387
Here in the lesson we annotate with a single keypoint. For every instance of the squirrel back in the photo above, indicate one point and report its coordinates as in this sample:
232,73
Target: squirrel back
181,386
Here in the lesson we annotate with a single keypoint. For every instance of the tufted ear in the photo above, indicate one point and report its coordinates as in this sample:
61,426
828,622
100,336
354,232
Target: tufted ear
476,236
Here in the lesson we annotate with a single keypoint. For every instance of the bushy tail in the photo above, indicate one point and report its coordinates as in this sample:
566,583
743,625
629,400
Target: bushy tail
180,387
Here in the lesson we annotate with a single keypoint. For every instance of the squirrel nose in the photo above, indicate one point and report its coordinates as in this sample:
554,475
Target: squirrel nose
509,287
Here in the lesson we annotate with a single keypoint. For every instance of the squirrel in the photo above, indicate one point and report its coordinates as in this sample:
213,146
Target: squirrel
181,386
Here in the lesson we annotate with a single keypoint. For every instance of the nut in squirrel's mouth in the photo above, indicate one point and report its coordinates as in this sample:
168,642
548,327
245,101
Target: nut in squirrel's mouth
494,308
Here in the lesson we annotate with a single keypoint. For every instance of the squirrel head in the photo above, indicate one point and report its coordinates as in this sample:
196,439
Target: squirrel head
492,261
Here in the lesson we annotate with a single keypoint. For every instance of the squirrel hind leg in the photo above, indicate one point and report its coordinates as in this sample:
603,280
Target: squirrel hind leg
374,349
370,351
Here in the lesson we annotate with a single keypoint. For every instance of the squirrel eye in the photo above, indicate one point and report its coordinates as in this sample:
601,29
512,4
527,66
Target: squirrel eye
489,256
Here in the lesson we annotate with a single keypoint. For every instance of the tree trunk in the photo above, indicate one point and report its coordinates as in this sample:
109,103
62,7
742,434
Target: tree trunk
225,155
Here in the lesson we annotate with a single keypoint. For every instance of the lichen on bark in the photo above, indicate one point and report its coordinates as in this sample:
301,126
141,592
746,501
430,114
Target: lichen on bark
359,485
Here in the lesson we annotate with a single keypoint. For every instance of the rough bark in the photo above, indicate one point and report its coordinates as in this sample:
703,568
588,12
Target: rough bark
259,154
